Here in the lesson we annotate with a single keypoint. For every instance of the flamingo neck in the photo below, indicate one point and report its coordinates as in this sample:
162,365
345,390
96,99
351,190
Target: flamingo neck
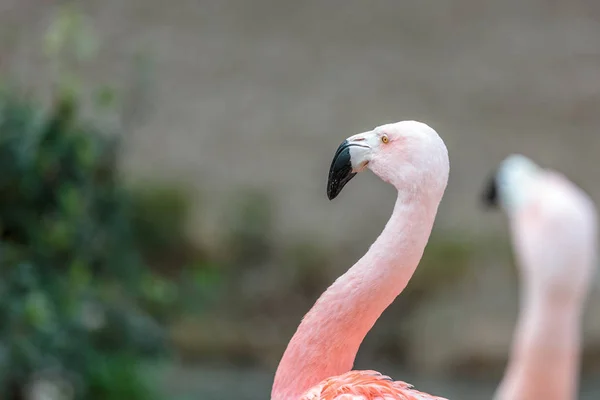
544,360
327,340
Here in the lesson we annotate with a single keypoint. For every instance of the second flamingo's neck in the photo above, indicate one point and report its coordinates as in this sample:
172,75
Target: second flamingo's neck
545,355
330,334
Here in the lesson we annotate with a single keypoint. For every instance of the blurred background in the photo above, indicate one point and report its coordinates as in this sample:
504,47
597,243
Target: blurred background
163,214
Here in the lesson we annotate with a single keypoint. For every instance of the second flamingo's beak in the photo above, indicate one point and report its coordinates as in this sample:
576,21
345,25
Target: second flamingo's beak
349,159
489,195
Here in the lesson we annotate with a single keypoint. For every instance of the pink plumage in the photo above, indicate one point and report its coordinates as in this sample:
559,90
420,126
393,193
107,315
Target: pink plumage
318,361
365,385
554,234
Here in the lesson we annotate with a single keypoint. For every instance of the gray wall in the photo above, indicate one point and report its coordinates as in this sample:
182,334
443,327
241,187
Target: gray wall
260,93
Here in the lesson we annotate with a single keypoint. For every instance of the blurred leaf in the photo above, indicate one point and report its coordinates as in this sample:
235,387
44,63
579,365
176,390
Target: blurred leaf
79,275
159,290
70,31
105,97
85,44
160,214
38,310
117,378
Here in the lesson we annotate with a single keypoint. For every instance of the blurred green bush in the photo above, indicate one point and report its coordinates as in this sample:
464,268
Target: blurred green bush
71,276
249,233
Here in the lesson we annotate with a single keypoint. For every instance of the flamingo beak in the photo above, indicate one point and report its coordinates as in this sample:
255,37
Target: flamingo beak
350,158
489,195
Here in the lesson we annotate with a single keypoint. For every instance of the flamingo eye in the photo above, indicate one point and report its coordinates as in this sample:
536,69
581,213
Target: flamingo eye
385,139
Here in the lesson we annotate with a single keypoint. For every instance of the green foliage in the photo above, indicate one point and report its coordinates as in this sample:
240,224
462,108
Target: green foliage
445,259
71,278
310,263
250,223
117,378
69,41
160,215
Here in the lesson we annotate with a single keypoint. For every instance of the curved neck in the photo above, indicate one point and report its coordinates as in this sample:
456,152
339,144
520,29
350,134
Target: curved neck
544,359
330,334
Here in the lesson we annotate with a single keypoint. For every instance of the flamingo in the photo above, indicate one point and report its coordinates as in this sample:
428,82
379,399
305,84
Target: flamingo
318,360
554,226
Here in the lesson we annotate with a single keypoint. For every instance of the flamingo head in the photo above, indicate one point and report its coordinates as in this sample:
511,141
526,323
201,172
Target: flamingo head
553,224
507,188
407,154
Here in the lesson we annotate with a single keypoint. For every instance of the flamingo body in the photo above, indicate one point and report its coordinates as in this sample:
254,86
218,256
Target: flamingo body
318,361
554,235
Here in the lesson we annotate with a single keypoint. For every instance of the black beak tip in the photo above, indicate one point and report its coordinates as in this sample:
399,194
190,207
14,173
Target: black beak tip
489,195
337,183
340,171
331,195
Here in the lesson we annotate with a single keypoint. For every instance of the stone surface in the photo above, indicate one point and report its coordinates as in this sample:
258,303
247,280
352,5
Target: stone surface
261,93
